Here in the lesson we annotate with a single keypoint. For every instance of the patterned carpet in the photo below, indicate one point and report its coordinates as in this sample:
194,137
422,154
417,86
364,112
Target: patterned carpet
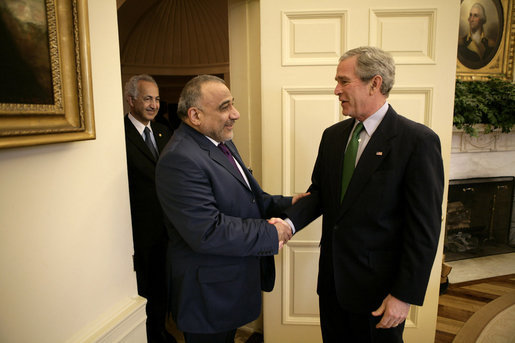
462,300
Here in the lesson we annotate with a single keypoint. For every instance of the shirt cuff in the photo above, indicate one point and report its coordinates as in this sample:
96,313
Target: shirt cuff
291,225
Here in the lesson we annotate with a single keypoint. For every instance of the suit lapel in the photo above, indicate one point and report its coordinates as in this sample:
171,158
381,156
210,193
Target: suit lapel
159,137
136,139
219,157
255,188
216,154
374,154
253,183
339,153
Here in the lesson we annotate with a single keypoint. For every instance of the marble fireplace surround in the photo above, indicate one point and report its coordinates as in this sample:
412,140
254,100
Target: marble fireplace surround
488,155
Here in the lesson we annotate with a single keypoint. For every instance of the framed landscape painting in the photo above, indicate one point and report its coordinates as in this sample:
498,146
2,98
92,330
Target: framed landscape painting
45,74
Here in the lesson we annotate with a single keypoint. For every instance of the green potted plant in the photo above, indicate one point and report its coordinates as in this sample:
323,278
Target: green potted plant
490,102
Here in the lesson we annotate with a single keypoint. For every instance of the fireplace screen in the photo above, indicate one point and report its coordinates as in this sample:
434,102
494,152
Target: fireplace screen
479,217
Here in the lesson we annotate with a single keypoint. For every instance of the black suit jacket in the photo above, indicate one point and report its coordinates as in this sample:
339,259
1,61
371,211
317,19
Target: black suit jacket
383,237
147,218
218,238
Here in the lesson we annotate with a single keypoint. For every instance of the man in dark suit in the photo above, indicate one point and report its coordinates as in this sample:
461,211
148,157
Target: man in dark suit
144,140
221,249
381,222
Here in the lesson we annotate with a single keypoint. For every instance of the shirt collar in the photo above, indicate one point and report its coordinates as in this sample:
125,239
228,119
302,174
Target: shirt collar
372,122
213,141
138,125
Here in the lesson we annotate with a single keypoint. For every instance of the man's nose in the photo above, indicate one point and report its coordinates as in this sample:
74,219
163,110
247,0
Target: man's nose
235,114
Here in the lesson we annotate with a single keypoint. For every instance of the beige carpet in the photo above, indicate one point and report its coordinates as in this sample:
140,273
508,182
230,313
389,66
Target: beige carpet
493,323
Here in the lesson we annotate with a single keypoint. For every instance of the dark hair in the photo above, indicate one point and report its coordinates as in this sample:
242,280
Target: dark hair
191,93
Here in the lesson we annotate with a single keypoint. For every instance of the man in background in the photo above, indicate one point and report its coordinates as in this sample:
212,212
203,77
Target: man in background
144,141
378,182
221,246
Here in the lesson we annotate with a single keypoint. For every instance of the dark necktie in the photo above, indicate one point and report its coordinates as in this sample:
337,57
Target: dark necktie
149,143
349,160
228,154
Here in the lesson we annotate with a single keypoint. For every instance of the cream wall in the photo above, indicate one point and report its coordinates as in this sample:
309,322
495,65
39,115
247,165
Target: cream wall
65,232
245,69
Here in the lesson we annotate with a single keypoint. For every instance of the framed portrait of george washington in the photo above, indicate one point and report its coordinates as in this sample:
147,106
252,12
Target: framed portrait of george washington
485,39
45,73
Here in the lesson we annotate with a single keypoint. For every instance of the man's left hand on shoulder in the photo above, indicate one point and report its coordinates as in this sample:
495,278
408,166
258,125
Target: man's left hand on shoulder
298,197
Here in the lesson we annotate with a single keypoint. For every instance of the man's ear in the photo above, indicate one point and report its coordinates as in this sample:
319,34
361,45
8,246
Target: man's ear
194,116
375,84
130,101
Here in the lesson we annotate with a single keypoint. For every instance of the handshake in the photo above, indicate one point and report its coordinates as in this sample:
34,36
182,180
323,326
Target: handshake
284,230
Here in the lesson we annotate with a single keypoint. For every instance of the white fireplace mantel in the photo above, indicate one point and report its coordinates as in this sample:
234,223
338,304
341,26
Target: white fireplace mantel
495,141
487,155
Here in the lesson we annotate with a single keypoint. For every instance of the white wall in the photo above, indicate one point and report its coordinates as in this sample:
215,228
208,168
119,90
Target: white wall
65,232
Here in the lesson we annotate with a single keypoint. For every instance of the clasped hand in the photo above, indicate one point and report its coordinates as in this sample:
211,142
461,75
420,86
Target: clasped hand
283,230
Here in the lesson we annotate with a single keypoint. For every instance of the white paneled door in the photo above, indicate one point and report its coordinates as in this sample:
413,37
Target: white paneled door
301,41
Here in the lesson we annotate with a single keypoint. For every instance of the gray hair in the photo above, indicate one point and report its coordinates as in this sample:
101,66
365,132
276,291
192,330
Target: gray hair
191,93
131,87
373,61
482,10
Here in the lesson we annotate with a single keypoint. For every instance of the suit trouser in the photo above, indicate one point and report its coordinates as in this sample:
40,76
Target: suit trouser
339,325
222,337
151,277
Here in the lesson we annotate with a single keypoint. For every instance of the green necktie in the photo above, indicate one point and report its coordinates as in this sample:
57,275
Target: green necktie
349,160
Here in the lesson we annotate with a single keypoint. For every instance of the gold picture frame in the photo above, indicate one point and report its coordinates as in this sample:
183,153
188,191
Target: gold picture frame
491,53
58,105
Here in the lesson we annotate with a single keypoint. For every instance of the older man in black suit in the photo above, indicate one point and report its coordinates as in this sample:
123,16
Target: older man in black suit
144,140
378,182
221,247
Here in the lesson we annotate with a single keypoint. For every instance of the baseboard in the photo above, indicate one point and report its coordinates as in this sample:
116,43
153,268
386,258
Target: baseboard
125,323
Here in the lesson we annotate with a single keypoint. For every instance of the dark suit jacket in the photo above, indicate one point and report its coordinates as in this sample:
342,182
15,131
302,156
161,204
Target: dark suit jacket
383,237
217,235
147,218
469,55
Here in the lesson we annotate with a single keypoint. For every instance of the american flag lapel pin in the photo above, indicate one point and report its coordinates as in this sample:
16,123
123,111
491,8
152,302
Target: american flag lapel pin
379,153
